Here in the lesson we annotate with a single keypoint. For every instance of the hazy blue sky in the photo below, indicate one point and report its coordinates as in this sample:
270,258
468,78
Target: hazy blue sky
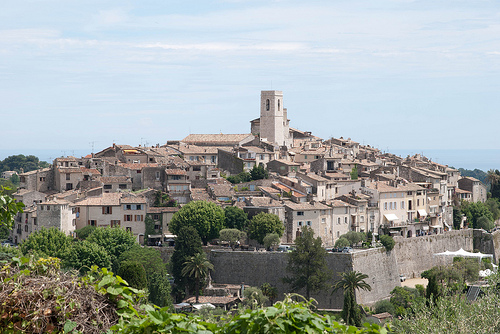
393,74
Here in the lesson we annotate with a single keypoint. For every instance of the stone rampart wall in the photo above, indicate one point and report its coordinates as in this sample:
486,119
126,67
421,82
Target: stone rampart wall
416,255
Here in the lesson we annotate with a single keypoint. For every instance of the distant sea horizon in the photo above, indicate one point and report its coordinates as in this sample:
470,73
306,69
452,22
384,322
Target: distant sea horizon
483,159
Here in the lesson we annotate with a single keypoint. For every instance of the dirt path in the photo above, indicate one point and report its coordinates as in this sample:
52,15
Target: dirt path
414,281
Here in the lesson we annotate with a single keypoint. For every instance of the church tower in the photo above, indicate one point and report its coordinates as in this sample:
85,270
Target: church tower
274,126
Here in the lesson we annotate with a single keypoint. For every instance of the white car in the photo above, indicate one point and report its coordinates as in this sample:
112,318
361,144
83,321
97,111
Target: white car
402,278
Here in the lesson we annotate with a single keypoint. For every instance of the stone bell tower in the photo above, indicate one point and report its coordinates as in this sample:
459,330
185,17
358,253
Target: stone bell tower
273,118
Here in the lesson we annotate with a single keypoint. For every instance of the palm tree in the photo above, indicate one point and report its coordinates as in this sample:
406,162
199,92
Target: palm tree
350,282
197,267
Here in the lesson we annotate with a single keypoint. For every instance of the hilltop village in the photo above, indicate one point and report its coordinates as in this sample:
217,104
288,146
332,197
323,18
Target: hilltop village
333,185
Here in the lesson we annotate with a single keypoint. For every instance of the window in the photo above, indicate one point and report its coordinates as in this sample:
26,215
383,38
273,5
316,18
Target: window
156,216
107,210
305,157
262,157
157,227
279,105
127,207
175,177
74,222
48,207
418,202
92,223
300,213
127,218
410,193
25,228
69,186
402,205
338,234
138,207
68,176
115,223
345,220
385,206
129,229
395,206
196,168
108,186
323,220
139,218
42,179
338,221
122,186
267,104
299,223
139,171
34,221
309,223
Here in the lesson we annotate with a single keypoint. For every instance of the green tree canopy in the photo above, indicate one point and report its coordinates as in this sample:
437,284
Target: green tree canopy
457,218
269,291
388,242
307,264
84,232
84,254
259,172
236,218
342,242
271,240
134,273
114,240
187,244
47,242
485,223
156,272
354,237
474,211
18,162
197,267
350,282
263,224
206,217
232,235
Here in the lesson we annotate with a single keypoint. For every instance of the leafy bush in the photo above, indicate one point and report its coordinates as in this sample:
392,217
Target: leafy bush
47,242
134,273
263,224
232,235
84,254
206,217
342,242
114,240
388,242
384,306
271,240
84,232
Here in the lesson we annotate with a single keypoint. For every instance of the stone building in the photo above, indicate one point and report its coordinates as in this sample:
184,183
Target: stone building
475,186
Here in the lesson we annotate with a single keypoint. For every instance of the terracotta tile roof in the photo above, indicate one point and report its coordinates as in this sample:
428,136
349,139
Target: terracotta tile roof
31,172
269,190
315,177
285,188
222,190
56,202
461,191
115,179
162,209
138,166
175,171
264,202
195,149
383,187
92,171
470,178
336,203
108,199
286,162
225,139
306,206
112,199
70,158
69,170
199,194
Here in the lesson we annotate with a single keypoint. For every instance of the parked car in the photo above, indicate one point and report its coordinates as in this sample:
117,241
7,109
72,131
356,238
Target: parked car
402,278
284,248
347,250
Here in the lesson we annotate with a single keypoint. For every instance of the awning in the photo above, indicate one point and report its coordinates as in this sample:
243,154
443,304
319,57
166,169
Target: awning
154,236
171,236
436,226
391,217
448,226
425,228
422,212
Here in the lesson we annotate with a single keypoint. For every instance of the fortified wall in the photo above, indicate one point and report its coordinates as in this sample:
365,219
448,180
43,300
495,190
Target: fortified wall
416,255
256,268
410,257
